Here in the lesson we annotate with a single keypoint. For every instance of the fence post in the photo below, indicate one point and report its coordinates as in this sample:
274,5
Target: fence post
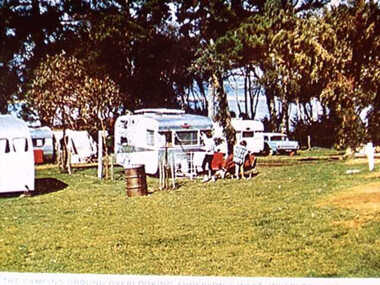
112,171
100,154
370,152
69,161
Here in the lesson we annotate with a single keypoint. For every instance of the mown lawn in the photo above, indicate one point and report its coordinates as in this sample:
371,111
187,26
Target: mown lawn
276,224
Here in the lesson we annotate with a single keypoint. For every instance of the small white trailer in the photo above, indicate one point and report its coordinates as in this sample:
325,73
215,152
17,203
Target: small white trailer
17,171
42,139
149,134
250,131
81,145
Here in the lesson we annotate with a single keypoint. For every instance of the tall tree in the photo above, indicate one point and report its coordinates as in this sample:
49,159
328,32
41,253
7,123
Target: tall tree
207,21
283,50
355,76
64,93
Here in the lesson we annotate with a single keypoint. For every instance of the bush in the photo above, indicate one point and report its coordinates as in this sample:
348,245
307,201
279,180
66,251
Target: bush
322,132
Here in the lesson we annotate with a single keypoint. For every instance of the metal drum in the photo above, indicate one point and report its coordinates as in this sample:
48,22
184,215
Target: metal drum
136,180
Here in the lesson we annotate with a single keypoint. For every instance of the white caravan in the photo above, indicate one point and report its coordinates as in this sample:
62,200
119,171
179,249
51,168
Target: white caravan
42,139
81,145
16,156
250,131
145,136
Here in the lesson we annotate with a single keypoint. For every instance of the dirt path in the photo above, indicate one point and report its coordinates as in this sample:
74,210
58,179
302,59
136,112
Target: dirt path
363,198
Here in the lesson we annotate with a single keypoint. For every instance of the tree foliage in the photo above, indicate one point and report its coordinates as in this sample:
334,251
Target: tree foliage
157,51
63,92
311,55
355,76
29,29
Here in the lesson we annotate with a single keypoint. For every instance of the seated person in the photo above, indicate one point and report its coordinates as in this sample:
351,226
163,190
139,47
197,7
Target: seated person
229,166
239,156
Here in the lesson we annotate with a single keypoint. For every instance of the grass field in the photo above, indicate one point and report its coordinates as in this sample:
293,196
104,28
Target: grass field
307,219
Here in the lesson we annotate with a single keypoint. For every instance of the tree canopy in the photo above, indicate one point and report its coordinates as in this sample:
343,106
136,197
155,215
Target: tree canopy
166,53
64,93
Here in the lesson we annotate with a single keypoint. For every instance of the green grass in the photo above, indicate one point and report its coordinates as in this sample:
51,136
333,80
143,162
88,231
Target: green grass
302,156
319,151
267,226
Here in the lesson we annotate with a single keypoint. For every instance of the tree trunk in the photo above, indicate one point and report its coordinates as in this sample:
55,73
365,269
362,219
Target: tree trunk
64,153
203,94
237,99
246,91
308,113
257,97
285,116
106,155
298,110
272,112
223,115
211,101
251,97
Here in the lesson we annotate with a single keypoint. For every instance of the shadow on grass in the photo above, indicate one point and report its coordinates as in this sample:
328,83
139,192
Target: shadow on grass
42,186
48,185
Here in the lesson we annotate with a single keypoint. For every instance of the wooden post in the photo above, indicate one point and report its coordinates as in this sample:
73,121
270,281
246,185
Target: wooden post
60,160
69,161
166,168
370,152
106,157
160,174
100,154
112,172
308,142
172,168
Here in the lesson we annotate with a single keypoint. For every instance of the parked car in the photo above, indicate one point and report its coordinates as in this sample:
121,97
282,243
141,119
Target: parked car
279,143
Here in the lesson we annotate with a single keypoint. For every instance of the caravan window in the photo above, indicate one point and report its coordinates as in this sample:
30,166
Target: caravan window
4,146
150,137
20,144
186,138
38,142
248,134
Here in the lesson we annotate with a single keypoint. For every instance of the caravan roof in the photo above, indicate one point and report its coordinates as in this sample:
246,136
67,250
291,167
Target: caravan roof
172,119
12,127
161,111
43,132
185,121
244,125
